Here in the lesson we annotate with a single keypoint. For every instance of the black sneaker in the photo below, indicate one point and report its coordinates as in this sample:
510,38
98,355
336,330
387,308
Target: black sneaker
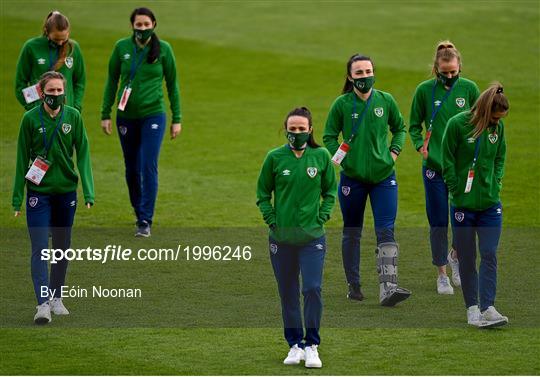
355,293
143,229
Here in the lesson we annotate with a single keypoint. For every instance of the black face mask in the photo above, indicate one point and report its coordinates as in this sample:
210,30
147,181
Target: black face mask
54,45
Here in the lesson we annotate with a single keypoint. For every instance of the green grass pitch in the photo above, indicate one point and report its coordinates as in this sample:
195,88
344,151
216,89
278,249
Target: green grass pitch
242,66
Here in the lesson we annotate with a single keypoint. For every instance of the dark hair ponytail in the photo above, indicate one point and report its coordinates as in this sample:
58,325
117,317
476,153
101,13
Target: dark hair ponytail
348,85
154,52
303,112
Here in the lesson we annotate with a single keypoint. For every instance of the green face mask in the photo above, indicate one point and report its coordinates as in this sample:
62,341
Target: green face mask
447,81
143,35
297,140
364,84
54,102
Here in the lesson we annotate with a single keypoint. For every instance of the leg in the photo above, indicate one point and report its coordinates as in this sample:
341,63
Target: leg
311,259
489,233
463,227
352,199
437,214
383,198
152,131
129,133
63,207
284,260
38,219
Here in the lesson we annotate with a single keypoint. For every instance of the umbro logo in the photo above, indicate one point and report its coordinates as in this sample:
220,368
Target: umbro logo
286,172
41,61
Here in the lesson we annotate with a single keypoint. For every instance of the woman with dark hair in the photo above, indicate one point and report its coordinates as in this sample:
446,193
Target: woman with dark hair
435,101
48,136
298,175
140,63
363,115
473,155
53,51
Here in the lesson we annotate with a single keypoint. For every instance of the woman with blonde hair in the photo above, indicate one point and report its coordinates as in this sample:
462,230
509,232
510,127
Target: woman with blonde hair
473,155
435,101
53,51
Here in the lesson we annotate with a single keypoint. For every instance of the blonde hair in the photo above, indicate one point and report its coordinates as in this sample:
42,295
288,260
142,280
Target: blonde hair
492,100
446,51
57,21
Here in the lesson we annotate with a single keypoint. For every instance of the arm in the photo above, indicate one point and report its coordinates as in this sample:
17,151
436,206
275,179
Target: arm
265,186
169,71
79,78
23,76
418,115
449,148
397,127
500,157
328,190
84,164
21,167
111,86
334,125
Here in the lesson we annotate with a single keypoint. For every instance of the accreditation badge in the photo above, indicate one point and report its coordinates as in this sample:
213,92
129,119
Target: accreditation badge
340,153
32,93
124,99
470,178
37,170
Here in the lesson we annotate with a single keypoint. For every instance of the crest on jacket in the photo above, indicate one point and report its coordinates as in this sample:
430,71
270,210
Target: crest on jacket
66,128
346,190
460,102
379,111
459,216
312,172
69,61
493,138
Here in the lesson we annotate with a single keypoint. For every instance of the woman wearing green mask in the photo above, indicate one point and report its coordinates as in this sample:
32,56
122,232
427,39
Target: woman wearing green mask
140,63
363,116
48,136
435,101
302,180
53,51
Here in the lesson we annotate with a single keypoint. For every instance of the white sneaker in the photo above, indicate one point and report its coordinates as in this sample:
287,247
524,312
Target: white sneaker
454,266
57,306
473,315
312,357
492,318
443,285
296,354
43,315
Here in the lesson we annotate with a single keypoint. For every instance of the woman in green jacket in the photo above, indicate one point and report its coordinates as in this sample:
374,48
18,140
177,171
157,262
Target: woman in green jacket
139,64
435,101
298,175
53,51
48,136
363,116
473,155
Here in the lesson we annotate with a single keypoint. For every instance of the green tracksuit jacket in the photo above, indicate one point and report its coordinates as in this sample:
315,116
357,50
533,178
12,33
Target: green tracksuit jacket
461,98
147,86
61,176
369,159
298,184
37,57
457,156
